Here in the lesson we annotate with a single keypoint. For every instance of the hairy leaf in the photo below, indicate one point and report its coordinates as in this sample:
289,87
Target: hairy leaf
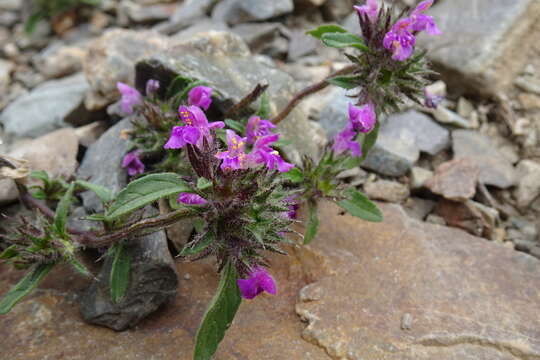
219,315
313,223
61,214
24,287
264,107
294,175
145,190
202,244
341,40
119,278
104,194
345,82
324,29
357,204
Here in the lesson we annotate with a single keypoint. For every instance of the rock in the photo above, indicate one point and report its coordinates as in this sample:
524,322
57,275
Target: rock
455,180
418,208
337,9
529,101
230,12
334,114
6,67
180,232
301,44
57,60
153,282
8,18
419,177
353,286
224,62
11,4
528,187
49,106
55,153
112,57
149,13
90,133
495,169
308,3
26,76
386,190
528,85
463,215
257,35
445,116
435,219
263,10
201,26
465,108
484,54
430,137
188,13
393,155
102,164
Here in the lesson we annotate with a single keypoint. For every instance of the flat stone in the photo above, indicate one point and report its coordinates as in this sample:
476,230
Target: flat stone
419,177
430,136
188,13
263,10
60,60
149,13
418,208
528,187
153,282
455,180
202,26
49,106
223,61
112,57
528,84
386,190
336,10
483,52
462,215
301,44
102,164
460,292
257,35
448,117
495,169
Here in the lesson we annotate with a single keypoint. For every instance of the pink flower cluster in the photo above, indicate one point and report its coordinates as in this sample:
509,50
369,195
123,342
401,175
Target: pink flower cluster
361,119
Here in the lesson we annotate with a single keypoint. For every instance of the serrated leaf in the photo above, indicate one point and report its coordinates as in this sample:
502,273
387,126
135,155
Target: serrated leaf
9,252
295,175
236,126
202,244
264,107
24,287
357,204
219,315
323,29
143,191
61,214
313,222
369,140
104,194
119,278
345,82
342,40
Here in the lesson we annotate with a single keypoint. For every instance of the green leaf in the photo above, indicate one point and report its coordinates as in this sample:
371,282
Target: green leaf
236,126
32,21
41,175
61,214
9,253
324,29
219,315
295,175
203,183
341,40
104,194
80,267
119,279
313,223
357,204
145,190
176,85
264,107
345,82
24,287
369,140
202,244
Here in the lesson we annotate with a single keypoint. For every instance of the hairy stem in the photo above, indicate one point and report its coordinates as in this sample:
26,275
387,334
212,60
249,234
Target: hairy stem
308,91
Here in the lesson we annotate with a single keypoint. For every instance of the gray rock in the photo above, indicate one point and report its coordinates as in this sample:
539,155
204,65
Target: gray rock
60,60
446,116
334,114
430,137
49,106
263,10
528,188
393,154
153,282
495,169
202,26
224,62
8,18
483,43
419,177
6,67
301,44
337,9
102,164
187,14
257,35
8,191
418,208
230,11
528,84
11,4
386,190
149,13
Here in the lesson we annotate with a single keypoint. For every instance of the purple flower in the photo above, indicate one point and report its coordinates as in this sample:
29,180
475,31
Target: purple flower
263,154
256,127
371,10
292,203
151,87
200,96
195,129
399,40
191,199
345,140
235,157
259,280
432,100
422,22
362,118
132,163
130,97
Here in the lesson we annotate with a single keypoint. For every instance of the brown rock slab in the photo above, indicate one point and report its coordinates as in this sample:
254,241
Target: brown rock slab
455,179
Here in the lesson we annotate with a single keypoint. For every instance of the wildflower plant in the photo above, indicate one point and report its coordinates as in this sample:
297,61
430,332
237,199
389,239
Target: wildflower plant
227,171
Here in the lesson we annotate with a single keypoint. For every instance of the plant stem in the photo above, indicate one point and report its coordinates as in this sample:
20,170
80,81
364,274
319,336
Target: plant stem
308,91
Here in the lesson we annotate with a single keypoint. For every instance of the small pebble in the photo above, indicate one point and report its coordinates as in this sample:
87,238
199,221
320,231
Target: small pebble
187,276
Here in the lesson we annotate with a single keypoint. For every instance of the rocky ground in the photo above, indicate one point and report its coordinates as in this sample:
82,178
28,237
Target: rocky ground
452,273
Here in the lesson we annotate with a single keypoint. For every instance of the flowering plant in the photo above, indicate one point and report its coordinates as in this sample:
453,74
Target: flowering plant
228,172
